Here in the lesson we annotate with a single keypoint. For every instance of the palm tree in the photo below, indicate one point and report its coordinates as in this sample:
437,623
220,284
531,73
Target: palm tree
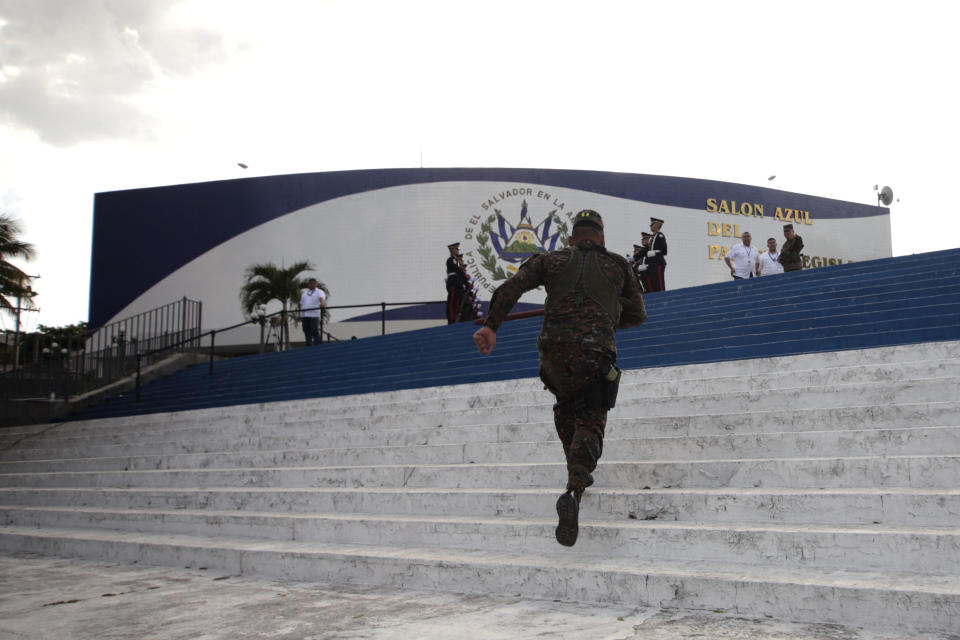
14,283
265,282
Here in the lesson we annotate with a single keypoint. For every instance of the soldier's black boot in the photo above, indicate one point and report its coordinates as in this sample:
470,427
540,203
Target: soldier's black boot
568,511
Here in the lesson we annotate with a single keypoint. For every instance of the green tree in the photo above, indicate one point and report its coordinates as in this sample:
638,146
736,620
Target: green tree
73,333
265,282
14,283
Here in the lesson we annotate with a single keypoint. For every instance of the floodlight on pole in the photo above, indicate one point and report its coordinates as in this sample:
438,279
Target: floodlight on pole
884,195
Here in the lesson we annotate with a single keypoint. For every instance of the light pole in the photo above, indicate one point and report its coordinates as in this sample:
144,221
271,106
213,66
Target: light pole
261,313
30,295
55,355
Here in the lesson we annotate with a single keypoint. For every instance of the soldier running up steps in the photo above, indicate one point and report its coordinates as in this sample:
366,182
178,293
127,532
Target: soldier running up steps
590,294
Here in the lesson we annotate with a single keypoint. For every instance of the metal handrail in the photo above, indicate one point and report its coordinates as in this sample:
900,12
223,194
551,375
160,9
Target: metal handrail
130,340
262,320
70,366
519,315
178,318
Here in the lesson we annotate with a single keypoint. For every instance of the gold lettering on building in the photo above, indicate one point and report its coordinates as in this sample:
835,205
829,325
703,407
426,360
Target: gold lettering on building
756,210
792,215
821,261
723,229
732,207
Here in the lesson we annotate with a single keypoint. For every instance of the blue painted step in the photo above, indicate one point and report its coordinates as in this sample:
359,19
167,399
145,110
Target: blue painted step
900,300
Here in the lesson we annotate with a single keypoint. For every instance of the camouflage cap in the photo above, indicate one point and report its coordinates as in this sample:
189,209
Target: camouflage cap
788,227
588,216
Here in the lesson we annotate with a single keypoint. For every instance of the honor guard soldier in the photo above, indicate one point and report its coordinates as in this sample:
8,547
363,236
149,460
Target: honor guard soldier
639,260
590,294
456,283
790,251
655,260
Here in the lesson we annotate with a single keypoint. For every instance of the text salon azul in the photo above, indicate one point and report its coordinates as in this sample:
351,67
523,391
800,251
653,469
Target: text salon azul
755,209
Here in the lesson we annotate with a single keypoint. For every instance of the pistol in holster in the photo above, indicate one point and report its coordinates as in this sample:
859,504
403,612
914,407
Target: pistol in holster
611,385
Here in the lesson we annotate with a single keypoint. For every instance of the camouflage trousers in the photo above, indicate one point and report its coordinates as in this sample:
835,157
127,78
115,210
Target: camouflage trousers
565,369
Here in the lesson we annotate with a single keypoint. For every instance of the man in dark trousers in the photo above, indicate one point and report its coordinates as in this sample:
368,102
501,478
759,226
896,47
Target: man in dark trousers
590,294
790,252
456,283
656,261
639,261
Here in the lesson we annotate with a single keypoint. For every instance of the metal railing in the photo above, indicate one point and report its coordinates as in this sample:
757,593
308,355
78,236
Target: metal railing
274,332
51,369
153,329
383,309
126,347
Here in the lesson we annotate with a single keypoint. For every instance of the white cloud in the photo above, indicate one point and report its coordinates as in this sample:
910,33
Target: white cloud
81,65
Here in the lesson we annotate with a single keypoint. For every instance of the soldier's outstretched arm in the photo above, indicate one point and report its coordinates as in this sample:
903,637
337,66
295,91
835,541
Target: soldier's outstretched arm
529,276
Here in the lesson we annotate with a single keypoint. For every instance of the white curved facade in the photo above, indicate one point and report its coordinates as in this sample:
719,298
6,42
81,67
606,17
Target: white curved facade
382,236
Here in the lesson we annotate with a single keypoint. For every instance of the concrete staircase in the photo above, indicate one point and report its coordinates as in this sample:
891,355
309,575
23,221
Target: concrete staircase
819,488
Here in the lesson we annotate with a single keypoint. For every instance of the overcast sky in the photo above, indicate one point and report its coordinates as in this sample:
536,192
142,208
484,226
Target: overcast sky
832,97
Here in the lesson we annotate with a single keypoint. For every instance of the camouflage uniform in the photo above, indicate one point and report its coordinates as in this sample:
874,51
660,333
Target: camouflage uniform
576,346
790,254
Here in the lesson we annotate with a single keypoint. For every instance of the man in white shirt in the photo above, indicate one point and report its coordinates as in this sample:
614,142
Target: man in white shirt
742,258
312,301
769,262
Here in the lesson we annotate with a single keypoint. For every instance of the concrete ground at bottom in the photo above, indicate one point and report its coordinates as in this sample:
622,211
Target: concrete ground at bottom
42,597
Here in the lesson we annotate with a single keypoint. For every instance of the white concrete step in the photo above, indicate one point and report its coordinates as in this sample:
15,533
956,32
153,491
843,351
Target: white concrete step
814,472
892,507
511,425
523,392
922,603
308,436
259,439
929,440
870,364
869,548
530,391
935,357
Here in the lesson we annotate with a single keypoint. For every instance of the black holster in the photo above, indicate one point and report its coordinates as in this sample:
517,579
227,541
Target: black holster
600,393
611,385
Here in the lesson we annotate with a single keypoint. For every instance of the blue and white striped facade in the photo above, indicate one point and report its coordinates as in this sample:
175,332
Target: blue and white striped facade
382,235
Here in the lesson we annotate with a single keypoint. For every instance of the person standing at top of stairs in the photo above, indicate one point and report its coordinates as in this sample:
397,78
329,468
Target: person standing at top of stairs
590,294
790,256
457,284
312,302
655,259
